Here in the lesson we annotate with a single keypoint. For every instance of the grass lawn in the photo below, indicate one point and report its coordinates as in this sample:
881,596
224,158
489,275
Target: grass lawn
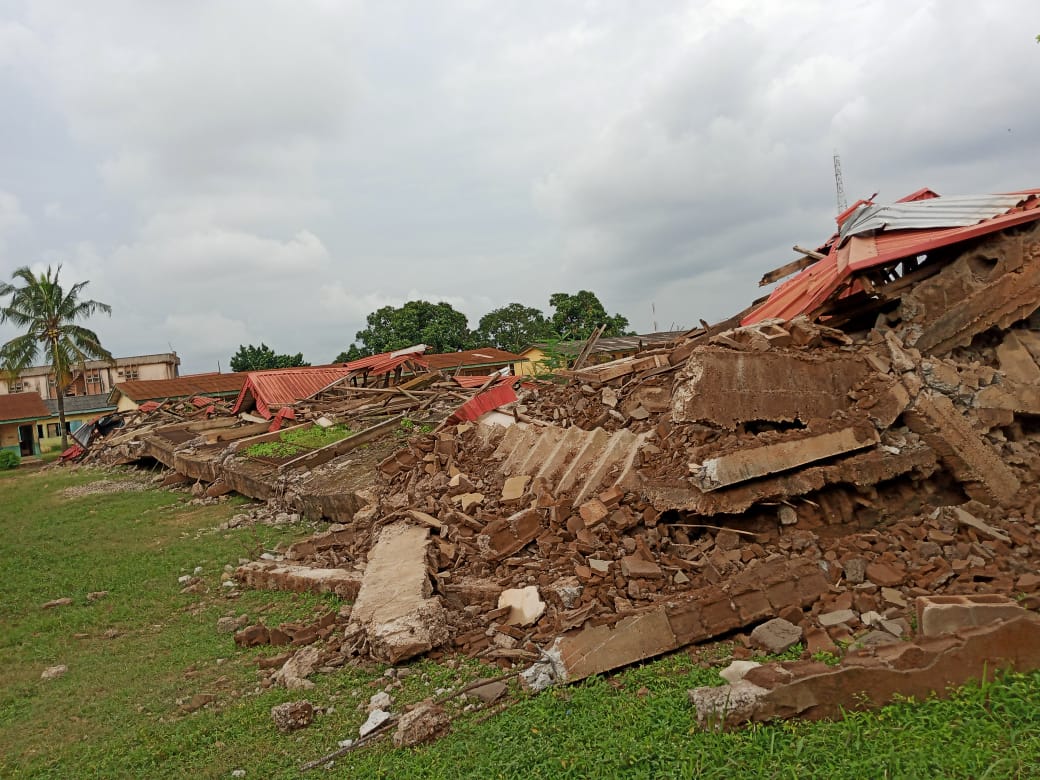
137,655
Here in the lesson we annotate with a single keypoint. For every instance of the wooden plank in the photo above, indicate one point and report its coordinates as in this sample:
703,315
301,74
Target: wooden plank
786,270
586,350
809,252
337,448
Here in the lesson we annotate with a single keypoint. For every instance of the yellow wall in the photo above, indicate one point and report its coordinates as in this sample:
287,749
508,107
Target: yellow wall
54,442
9,436
531,363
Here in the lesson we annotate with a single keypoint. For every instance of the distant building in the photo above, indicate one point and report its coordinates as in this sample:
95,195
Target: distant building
129,395
535,359
19,413
95,377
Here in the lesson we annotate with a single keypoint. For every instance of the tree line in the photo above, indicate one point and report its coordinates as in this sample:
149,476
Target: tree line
442,328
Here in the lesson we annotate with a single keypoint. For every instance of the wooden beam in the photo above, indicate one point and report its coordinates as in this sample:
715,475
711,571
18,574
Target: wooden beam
786,270
809,252
587,349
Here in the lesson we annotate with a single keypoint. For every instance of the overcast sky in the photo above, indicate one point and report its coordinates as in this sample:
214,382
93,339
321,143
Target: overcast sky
235,172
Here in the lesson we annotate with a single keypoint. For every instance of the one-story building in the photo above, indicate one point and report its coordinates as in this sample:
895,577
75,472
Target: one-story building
128,396
19,414
79,410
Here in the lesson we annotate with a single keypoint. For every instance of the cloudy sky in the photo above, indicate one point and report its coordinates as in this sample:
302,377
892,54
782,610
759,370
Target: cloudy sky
244,171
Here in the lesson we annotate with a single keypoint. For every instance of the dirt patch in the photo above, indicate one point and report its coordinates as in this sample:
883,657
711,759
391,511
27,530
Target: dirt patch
105,486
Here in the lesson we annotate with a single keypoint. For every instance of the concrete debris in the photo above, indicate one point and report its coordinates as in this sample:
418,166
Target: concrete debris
736,671
872,676
426,722
375,719
292,715
294,673
805,471
525,605
776,636
394,607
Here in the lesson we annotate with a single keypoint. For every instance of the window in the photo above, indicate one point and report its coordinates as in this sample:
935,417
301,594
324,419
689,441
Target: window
94,378
18,387
131,374
53,430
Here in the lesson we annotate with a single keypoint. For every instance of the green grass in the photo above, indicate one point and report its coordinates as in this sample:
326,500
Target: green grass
300,440
116,714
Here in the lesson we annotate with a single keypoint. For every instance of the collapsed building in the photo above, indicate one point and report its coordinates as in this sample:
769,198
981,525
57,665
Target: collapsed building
865,436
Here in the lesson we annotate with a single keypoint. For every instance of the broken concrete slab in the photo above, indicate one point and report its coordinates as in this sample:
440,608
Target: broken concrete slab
750,463
726,388
272,575
986,477
875,676
394,608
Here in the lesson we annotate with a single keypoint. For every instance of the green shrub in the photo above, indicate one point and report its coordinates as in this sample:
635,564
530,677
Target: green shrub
9,460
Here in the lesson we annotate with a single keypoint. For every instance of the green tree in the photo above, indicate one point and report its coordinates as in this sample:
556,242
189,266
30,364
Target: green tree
513,327
576,316
437,325
48,315
262,358
352,353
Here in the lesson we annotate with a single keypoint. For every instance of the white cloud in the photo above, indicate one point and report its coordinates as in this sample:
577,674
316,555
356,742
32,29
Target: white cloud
280,170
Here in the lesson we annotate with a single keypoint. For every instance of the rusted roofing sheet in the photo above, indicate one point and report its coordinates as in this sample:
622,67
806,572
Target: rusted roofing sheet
19,407
809,289
280,387
485,356
192,384
377,363
383,363
478,381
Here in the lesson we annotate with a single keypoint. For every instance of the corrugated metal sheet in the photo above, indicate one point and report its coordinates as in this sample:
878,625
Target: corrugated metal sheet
201,384
808,290
942,212
281,387
497,396
478,381
377,363
485,356
15,407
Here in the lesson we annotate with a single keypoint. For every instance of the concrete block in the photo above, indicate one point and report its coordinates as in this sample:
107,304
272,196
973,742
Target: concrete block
937,615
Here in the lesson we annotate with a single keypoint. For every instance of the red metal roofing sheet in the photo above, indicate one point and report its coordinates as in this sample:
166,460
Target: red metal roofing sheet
152,389
497,396
806,291
471,357
384,363
22,406
478,381
281,387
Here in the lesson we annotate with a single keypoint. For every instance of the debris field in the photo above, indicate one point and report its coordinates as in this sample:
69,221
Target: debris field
855,456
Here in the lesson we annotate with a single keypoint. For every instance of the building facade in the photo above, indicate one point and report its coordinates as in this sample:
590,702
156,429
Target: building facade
95,377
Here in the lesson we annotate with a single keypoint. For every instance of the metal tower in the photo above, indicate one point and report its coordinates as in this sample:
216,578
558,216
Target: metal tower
839,184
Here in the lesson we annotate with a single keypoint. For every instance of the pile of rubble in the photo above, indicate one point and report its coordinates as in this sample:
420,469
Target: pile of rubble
873,443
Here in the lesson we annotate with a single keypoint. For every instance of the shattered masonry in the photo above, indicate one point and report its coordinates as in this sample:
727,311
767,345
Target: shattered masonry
867,436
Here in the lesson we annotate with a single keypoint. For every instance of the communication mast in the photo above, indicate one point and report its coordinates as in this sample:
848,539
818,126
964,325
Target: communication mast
839,184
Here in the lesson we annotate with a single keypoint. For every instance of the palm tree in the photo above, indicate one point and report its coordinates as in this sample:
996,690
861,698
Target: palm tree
48,315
